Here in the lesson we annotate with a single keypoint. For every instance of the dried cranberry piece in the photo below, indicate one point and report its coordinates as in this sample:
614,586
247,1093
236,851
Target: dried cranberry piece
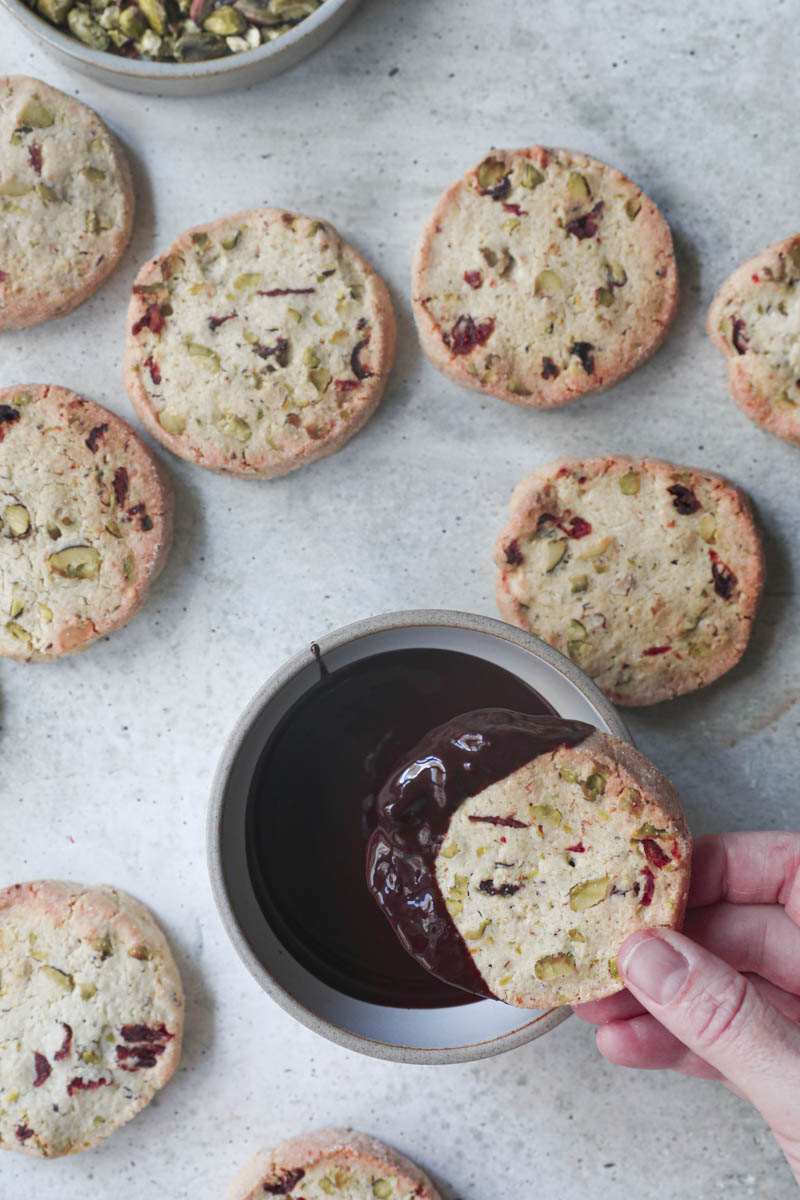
578,848
685,500
356,366
146,1033
7,413
94,437
132,1058
577,528
513,553
120,485
288,292
66,1045
474,279
128,50
85,1085
215,322
649,887
153,368
500,189
741,342
488,887
282,1184
510,822
466,334
3,276
292,419
35,157
654,853
146,524
43,1069
152,320
583,352
22,1132
585,226
280,351
345,385
549,368
724,579
652,651
515,208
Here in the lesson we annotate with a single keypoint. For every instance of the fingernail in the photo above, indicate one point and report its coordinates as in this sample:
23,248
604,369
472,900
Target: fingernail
654,968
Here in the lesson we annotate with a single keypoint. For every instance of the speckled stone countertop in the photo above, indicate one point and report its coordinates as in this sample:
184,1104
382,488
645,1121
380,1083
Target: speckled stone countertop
106,759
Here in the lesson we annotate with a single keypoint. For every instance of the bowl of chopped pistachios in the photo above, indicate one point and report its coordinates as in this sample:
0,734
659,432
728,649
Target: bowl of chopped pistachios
180,47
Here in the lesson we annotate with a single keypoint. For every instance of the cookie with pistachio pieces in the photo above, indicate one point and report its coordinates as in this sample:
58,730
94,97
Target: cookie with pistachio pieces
543,275
91,1015
258,343
66,202
754,321
332,1162
85,522
645,573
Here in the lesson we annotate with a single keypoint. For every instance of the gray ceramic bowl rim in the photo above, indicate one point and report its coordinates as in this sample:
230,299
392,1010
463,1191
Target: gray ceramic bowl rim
142,70
386,622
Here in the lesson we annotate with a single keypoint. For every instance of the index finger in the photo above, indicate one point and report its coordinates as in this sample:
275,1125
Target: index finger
747,868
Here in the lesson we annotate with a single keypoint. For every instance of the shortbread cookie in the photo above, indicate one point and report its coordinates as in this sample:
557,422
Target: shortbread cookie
543,275
537,871
755,321
332,1162
66,202
85,522
258,343
91,1015
646,574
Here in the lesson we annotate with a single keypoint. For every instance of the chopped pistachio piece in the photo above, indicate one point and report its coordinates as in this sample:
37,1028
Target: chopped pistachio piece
553,966
531,178
548,283
578,187
36,114
630,483
75,562
555,553
589,894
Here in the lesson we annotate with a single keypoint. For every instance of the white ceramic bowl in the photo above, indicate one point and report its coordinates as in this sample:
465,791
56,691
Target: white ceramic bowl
186,79
442,1035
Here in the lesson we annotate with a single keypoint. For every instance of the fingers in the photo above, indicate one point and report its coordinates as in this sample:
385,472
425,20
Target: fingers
644,1043
753,938
719,1016
619,1007
747,868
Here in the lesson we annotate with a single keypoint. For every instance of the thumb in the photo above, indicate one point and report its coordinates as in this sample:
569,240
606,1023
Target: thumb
720,1016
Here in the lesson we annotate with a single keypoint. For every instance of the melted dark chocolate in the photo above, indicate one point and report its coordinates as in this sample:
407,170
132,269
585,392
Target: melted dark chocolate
310,811
413,810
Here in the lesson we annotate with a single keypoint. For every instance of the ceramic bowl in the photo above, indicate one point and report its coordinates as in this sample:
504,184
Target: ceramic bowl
186,79
442,1035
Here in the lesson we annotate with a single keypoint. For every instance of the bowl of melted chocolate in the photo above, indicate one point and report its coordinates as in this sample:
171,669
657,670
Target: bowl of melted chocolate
293,815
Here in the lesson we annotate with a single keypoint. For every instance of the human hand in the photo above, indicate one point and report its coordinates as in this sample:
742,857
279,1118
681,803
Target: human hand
722,999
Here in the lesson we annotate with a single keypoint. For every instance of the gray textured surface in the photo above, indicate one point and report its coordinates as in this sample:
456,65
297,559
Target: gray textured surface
106,759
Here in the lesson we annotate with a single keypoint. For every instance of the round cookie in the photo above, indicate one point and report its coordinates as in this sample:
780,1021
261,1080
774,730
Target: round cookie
754,321
332,1162
85,522
543,870
91,1016
258,343
66,202
543,275
645,573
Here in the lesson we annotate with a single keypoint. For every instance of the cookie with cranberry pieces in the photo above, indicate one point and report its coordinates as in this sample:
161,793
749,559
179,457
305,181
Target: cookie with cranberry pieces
85,522
645,573
91,1015
258,343
543,275
332,1162
543,869
66,202
754,321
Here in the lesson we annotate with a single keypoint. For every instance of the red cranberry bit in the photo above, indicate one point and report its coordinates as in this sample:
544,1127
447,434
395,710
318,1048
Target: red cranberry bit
153,368
35,156
132,1058
215,322
583,352
585,226
740,340
280,350
120,485
152,320
474,279
500,189
43,1069
288,292
94,437
22,1132
724,579
578,848
466,334
66,1045
577,528
685,500
754,278
654,854
356,366
85,1085
549,368
487,886
345,385
510,822
7,413
282,1184
146,1033
652,651
292,419
649,887
513,553
3,276
515,208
